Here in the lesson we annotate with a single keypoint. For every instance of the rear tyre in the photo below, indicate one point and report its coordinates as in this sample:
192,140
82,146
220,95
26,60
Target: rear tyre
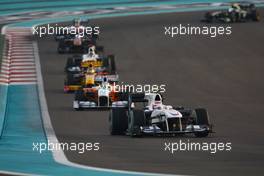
202,119
70,63
233,17
79,96
103,101
61,47
60,50
112,64
138,120
118,121
208,17
255,16
138,96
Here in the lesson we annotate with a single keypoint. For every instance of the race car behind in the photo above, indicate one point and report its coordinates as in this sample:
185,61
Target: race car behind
75,43
98,96
67,32
238,12
77,71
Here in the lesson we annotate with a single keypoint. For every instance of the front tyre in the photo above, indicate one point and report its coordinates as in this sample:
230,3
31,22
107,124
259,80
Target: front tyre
208,17
202,119
118,121
233,17
103,101
79,96
137,120
255,16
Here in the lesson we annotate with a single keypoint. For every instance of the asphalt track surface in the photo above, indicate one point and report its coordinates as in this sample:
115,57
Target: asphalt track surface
223,74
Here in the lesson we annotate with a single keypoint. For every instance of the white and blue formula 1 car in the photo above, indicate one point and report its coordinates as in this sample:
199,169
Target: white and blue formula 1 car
147,115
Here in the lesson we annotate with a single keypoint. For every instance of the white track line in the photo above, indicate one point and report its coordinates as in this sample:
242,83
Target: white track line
16,173
22,60
21,64
23,75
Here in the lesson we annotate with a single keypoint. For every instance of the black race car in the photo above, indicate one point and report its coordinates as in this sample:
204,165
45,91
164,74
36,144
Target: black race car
236,13
75,44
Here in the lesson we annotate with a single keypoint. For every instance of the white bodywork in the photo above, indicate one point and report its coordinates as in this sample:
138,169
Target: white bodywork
158,108
91,56
159,111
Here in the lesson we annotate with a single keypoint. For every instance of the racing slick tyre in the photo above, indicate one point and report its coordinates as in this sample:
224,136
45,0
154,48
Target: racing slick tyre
255,16
202,119
66,83
99,49
74,61
136,122
234,17
72,79
61,47
79,96
122,96
103,101
69,63
112,64
208,17
137,96
118,121
60,50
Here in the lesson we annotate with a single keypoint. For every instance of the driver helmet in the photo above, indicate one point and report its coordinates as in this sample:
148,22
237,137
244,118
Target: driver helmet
105,82
91,50
157,102
90,69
